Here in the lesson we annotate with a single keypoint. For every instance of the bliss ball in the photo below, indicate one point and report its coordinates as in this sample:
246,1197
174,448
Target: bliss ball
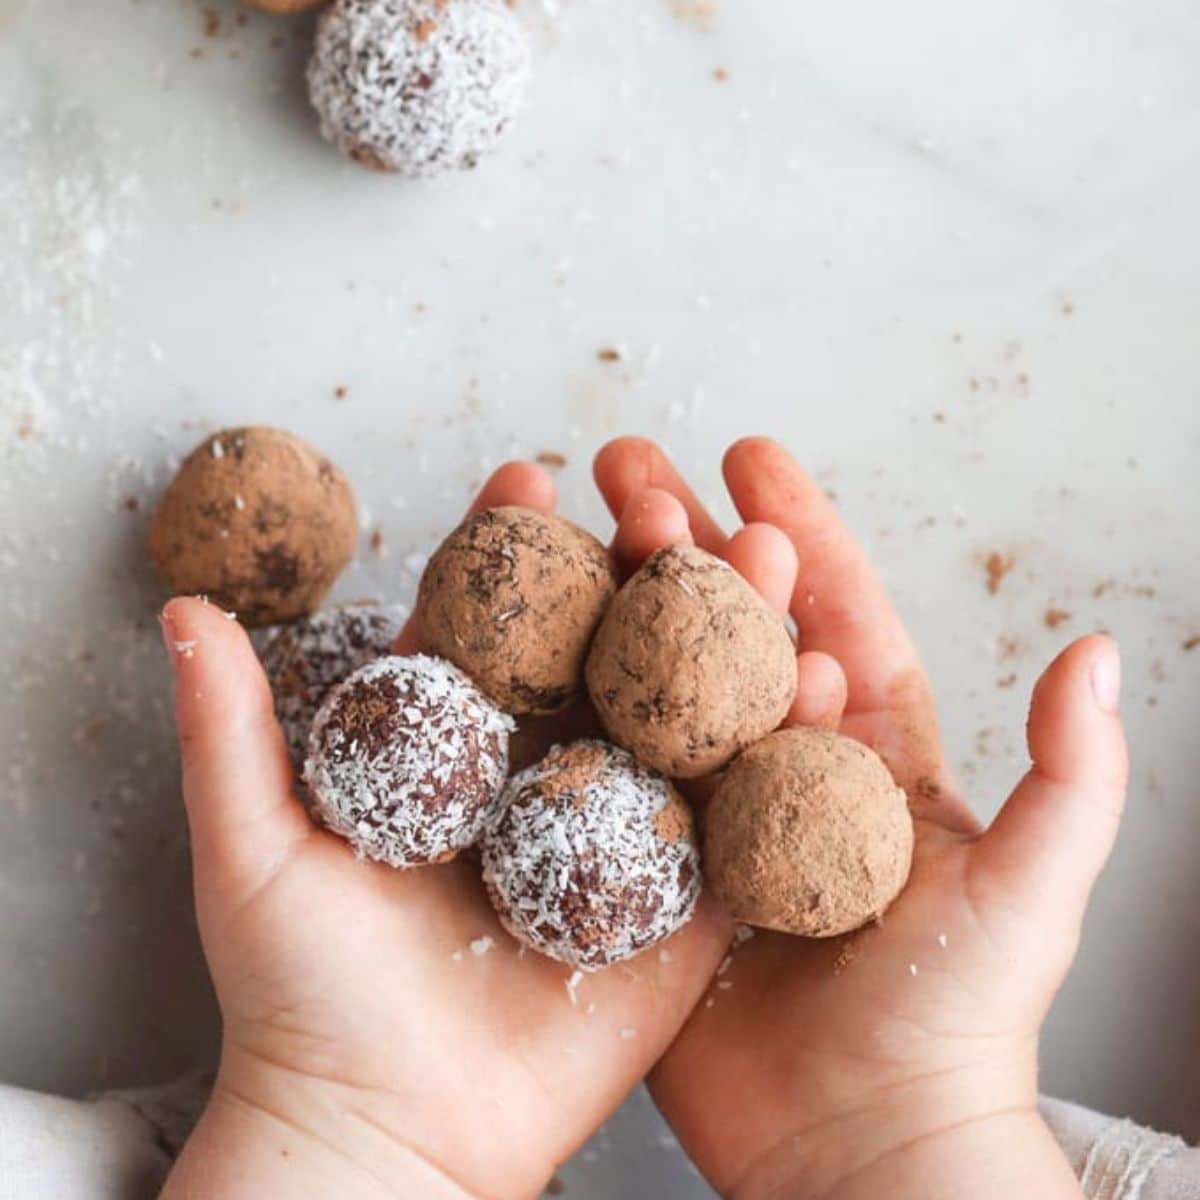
690,665
417,86
258,521
406,759
593,858
809,834
303,661
513,597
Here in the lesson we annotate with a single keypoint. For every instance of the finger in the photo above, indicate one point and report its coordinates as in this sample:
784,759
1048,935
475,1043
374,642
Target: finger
841,608
650,520
630,465
519,483
237,780
764,557
820,691
1055,833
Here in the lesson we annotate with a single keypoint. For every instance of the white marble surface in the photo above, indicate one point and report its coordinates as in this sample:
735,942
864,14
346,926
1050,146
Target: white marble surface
949,253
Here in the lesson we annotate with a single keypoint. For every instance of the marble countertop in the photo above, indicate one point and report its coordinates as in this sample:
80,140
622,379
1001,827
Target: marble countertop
947,253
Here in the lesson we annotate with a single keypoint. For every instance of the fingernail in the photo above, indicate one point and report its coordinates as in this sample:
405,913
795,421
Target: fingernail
1106,679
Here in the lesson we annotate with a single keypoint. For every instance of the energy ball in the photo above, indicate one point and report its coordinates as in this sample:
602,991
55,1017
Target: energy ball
513,597
690,665
417,86
808,834
406,760
258,521
593,858
303,661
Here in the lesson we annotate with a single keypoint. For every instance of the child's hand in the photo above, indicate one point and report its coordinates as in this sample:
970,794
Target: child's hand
901,1061
381,1034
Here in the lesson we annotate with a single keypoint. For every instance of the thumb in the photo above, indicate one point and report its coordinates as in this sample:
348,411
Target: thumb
237,781
1055,833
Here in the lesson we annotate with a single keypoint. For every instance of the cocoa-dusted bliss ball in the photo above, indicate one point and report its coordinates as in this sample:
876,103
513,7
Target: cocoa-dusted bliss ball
406,759
417,86
593,858
258,521
303,661
690,665
808,834
513,597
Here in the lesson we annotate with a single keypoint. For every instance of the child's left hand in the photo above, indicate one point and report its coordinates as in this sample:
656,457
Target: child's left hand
368,1050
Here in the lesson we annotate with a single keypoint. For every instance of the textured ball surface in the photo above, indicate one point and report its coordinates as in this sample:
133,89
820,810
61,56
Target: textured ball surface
258,521
808,834
417,86
513,597
690,665
593,858
406,760
303,661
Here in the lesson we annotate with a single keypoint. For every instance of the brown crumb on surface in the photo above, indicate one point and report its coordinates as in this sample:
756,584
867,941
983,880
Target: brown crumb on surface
1006,681
552,459
847,953
196,52
132,504
1054,617
1103,587
699,13
555,1187
377,545
939,418
973,384
609,354
1192,642
997,565
341,392
1068,308
212,22
720,74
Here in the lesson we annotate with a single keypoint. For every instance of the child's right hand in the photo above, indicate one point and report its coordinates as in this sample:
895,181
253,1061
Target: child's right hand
901,1062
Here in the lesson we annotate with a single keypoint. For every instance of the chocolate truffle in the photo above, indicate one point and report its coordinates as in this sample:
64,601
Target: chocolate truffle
417,86
258,521
283,6
593,858
304,660
690,665
406,760
513,597
807,834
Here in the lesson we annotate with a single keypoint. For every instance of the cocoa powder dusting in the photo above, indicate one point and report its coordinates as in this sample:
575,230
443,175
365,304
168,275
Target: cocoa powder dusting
997,566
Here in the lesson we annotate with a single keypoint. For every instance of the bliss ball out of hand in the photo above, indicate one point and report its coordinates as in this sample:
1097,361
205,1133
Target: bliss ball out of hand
303,661
406,760
258,521
807,834
417,86
513,597
690,665
593,858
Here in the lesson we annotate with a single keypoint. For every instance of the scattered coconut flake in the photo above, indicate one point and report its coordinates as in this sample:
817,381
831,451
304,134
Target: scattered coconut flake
186,649
480,946
627,1033
457,956
726,962
572,984
943,940
664,956
912,968
742,934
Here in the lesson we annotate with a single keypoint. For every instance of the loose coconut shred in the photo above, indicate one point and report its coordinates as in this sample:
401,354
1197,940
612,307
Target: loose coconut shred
406,760
593,858
417,86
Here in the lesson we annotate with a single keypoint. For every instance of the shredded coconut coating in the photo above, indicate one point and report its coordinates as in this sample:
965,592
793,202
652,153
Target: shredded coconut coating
417,86
406,760
304,660
593,858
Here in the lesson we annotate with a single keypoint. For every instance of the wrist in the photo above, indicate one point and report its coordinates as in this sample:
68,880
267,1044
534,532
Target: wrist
264,1135
969,1130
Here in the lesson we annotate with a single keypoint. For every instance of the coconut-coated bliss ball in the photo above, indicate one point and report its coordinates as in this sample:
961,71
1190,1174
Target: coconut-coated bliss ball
303,661
807,834
690,665
417,86
406,760
258,521
513,597
593,858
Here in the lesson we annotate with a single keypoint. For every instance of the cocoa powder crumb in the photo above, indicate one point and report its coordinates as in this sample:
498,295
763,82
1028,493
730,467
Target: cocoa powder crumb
1006,681
1192,642
133,504
608,354
997,566
377,546
1054,617
341,392
212,22
720,74
552,459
